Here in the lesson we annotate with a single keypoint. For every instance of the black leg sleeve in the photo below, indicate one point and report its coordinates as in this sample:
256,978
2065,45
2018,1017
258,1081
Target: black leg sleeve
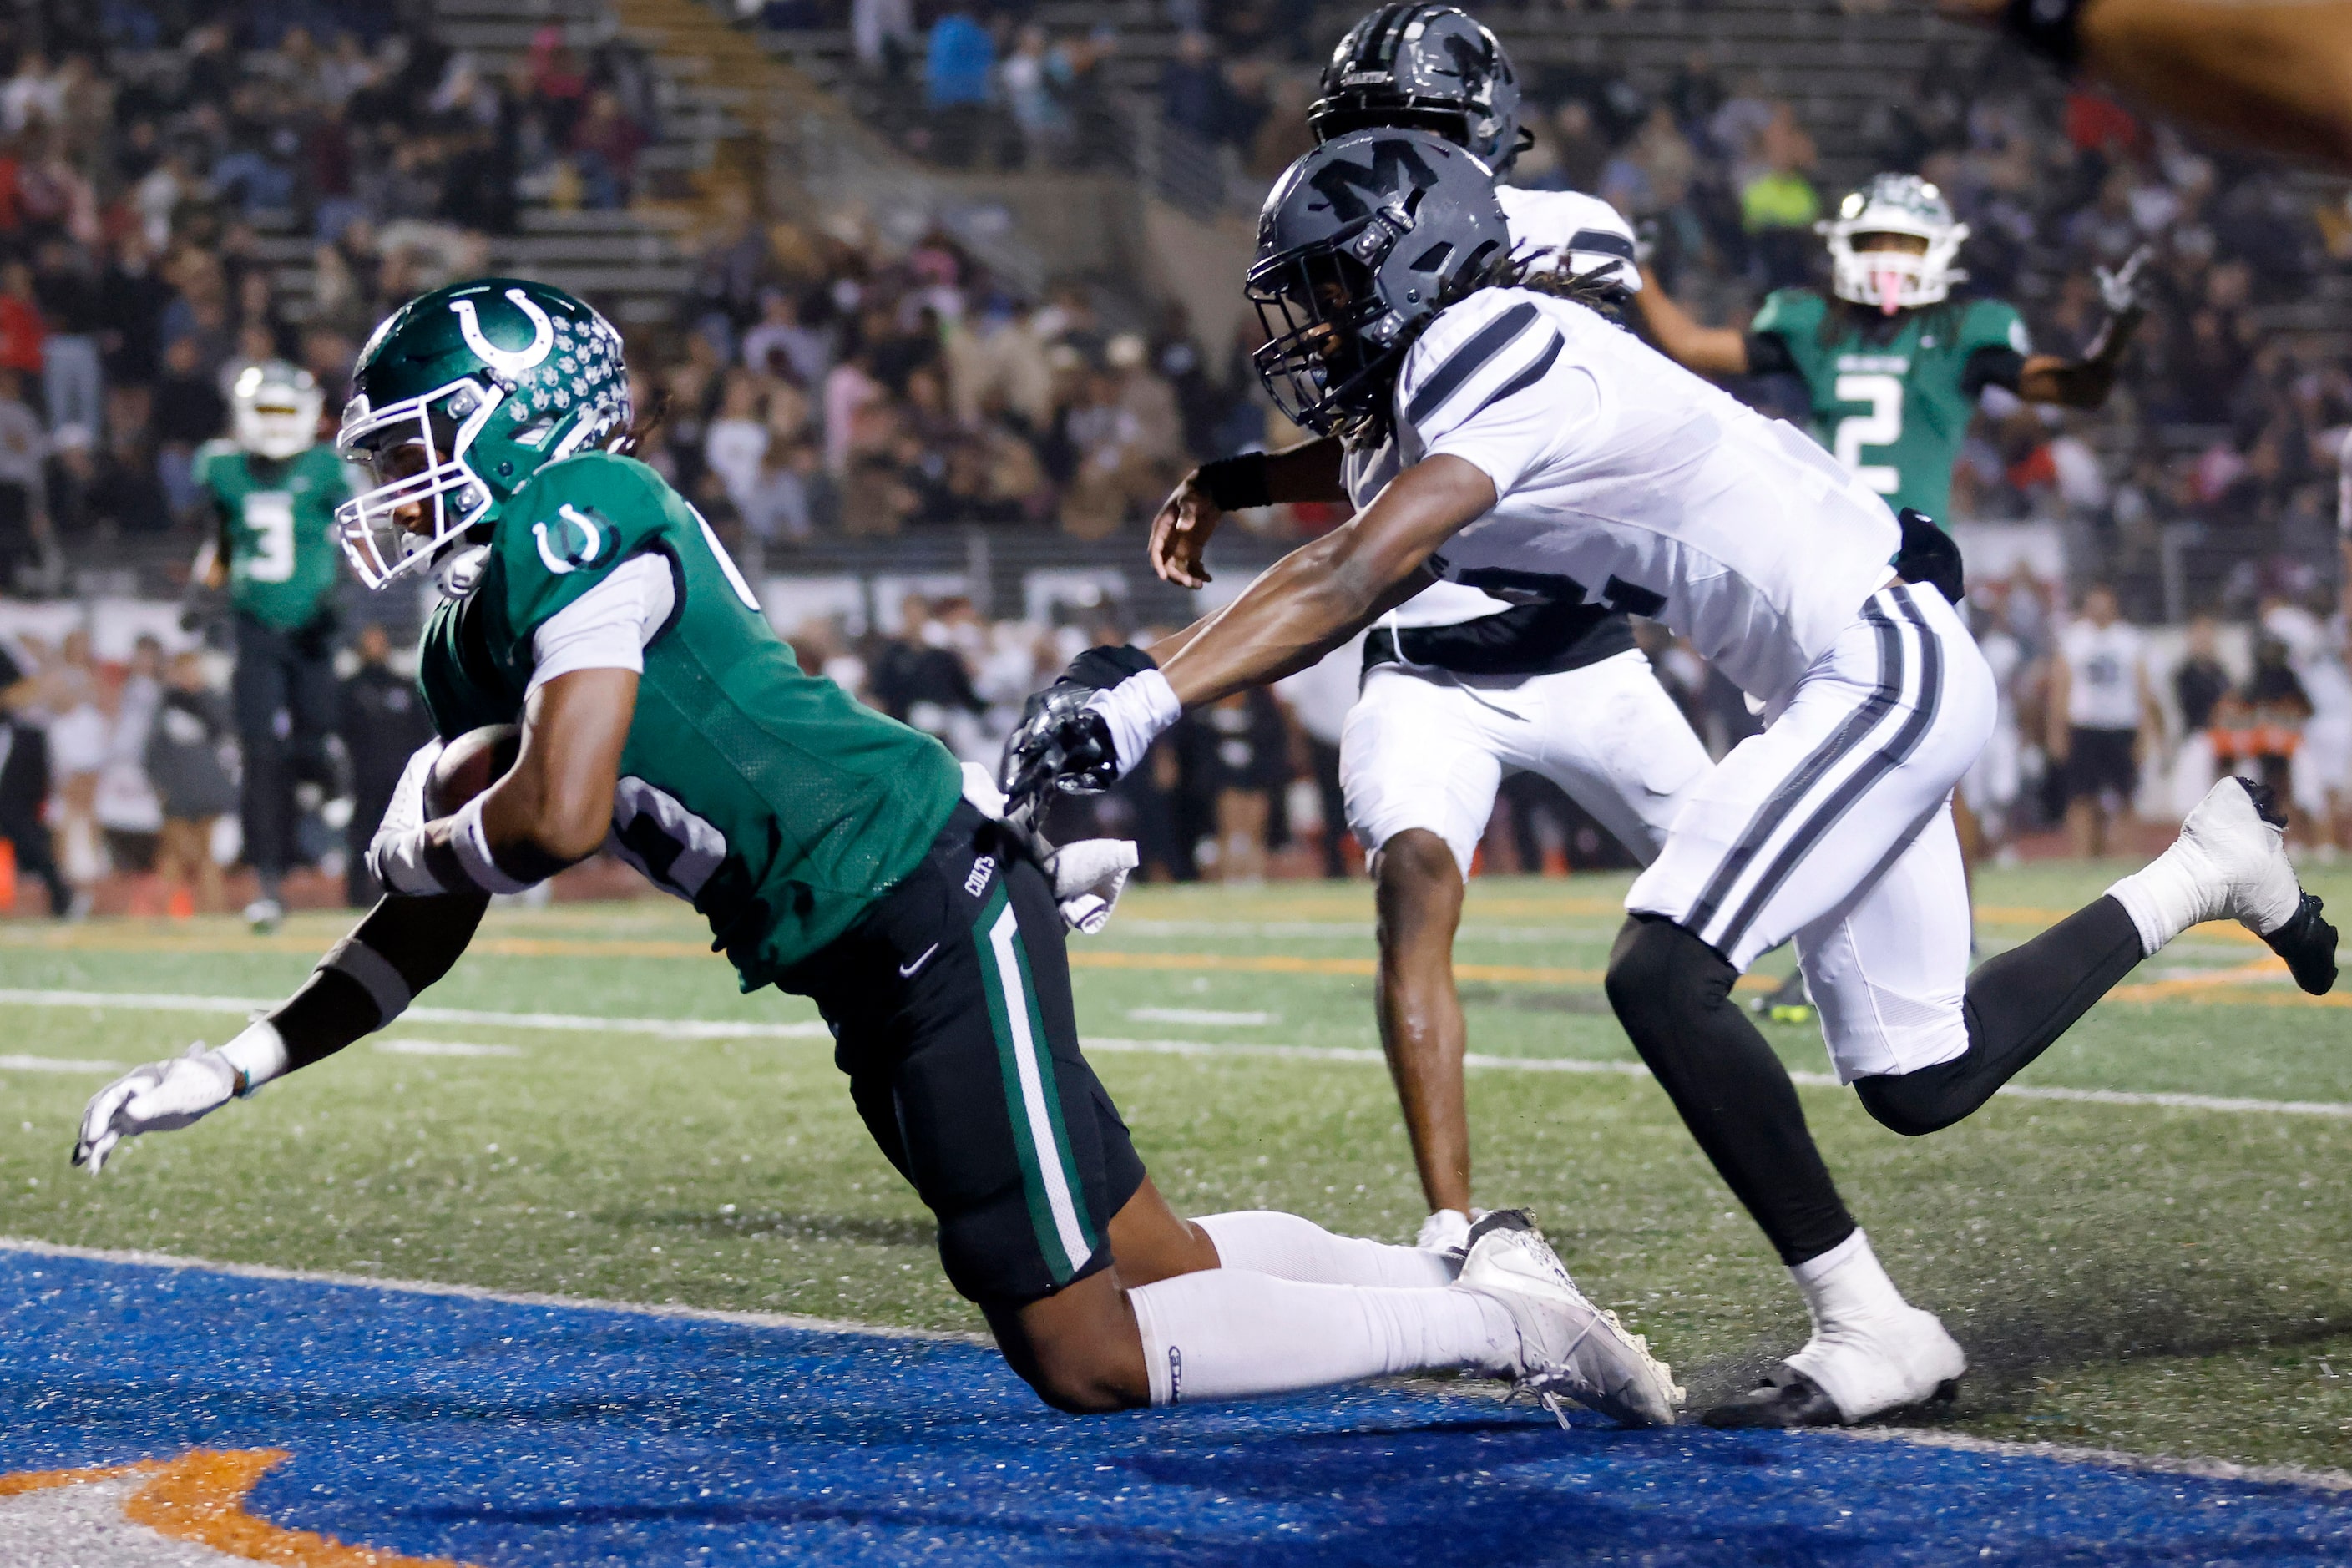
1672,993
2017,1005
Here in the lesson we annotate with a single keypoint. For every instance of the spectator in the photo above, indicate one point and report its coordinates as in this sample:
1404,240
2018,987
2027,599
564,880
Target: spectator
1192,92
24,782
188,411
2100,708
184,761
24,485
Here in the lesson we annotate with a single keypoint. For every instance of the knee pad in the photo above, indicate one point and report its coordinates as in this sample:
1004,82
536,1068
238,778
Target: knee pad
1661,978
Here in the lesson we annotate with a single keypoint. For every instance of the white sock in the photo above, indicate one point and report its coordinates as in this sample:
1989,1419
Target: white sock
1229,1333
1289,1248
2165,897
1846,1285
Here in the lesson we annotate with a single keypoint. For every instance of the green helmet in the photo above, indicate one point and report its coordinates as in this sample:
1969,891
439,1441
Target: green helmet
458,399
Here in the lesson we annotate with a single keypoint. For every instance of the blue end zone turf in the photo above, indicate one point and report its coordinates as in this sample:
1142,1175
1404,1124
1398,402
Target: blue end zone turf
493,1432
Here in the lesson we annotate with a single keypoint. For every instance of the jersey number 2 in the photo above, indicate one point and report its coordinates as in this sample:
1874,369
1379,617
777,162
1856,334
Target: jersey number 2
1882,426
270,515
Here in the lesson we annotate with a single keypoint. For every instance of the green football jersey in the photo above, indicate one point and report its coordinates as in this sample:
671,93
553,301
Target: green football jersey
765,795
279,520
1893,409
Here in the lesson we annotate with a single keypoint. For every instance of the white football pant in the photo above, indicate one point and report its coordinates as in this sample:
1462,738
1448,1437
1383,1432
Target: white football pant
1427,748
1834,826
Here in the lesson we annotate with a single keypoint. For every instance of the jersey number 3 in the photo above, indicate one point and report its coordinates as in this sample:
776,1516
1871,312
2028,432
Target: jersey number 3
1882,426
270,515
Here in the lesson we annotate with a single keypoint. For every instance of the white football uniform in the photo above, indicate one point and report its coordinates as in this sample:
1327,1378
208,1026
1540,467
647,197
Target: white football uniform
1555,230
1427,746
1635,483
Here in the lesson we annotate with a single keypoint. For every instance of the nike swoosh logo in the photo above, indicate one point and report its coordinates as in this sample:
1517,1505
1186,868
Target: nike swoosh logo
906,970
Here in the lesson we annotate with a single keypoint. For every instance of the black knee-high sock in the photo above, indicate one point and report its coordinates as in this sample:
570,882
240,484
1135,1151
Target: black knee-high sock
2017,1005
1672,993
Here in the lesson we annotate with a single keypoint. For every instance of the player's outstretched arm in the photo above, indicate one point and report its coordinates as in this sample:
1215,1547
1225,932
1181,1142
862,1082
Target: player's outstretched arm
2269,73
364,982
1322,593
2086,383
1188,519
1091,728
1710,350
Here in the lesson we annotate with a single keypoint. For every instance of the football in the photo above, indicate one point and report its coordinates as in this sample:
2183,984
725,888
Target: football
470,764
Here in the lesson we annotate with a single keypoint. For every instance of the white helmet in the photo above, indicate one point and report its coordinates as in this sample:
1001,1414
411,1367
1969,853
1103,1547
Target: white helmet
275,409
1894,280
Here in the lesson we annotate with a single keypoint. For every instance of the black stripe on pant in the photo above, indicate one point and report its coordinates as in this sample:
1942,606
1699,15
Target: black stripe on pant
1885,761
1858,727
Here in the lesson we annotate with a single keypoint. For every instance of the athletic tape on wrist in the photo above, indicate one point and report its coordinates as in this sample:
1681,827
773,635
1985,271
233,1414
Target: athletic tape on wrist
2051,29
472,845
1137,711
377,976
256,1055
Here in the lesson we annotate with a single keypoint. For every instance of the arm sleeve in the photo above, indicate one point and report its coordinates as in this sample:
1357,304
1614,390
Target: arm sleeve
1768,354
606,627
1993,365
1494,386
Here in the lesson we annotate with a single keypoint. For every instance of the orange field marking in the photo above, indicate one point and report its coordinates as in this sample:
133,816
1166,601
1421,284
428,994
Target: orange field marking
199,1497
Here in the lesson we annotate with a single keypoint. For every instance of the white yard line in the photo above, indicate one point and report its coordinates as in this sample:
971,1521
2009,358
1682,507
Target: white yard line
670,1028
695,1030
2073,1453
55,1064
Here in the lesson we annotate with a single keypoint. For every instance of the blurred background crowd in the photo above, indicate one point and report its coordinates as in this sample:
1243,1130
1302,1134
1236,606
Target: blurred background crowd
908,425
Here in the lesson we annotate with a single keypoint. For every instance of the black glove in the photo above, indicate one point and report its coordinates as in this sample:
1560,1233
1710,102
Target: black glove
1930,555
1060,740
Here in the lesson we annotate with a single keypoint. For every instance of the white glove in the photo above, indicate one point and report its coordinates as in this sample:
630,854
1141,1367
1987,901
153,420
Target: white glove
406,815
1088,877
2119,289
162,1097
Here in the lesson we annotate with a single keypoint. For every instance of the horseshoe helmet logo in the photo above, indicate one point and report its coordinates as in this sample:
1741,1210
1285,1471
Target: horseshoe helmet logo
508,365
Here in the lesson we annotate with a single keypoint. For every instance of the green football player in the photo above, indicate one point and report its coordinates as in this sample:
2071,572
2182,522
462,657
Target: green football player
836,854
274,489
1894,365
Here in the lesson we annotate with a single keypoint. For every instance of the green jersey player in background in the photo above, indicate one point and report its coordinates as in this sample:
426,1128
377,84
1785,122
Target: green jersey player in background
274,490
837,854
1893,365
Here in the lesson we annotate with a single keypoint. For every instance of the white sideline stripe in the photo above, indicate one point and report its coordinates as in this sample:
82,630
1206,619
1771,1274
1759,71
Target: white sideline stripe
2073,1453
694,1029
446,1048
1050,1170
2328,1108
2211,1469
55,1064
1198,1016
480,1293
670,1028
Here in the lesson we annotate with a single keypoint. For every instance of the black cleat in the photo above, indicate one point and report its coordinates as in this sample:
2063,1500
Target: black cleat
1789,1399
2307,942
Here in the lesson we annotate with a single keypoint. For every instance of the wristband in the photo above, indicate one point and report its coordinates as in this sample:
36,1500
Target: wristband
2051,29
1236,484
1136,712
256,1055
472,845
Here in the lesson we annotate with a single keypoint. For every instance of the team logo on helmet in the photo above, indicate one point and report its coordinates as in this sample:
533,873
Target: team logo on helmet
1360,243
458,399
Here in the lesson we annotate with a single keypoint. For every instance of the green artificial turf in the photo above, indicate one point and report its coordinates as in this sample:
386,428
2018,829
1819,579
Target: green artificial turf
2153,1278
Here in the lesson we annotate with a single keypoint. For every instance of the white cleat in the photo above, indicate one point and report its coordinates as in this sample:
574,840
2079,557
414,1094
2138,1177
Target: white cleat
264,915
1851,1372
2233,847
1569,1348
